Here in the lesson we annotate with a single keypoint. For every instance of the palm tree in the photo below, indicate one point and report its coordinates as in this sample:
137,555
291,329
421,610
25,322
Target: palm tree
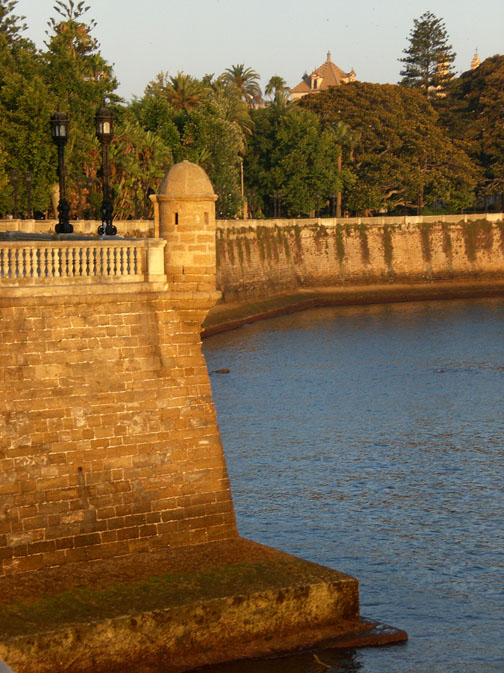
278,89
246,81
183,92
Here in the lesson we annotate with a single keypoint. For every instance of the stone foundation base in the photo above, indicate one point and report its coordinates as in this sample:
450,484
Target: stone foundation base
177,610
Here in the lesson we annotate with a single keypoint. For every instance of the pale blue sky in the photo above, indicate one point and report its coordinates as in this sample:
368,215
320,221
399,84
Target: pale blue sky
274,37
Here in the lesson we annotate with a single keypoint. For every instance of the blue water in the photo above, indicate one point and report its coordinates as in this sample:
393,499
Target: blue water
371,440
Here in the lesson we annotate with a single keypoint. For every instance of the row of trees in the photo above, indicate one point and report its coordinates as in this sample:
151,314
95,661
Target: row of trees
433,140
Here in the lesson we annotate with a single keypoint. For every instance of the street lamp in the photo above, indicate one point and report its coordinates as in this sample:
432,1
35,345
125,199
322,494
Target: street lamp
333,202
105,132
59,134
15,181
29,182
277,197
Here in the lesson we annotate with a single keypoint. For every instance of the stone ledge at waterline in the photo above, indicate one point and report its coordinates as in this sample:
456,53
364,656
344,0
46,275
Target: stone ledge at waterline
178,609
118,539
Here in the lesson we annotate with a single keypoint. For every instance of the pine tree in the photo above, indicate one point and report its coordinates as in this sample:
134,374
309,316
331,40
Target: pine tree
11,26
428,59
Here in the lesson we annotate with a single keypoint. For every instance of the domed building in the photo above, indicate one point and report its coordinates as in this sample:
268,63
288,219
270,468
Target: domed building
326,75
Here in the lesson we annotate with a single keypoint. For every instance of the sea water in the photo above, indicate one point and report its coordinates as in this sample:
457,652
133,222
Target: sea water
371,440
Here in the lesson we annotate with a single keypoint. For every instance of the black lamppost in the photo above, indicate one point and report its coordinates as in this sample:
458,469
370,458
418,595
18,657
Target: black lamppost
105,132
15,182
277,197
91,211
59,134
29,182
333,205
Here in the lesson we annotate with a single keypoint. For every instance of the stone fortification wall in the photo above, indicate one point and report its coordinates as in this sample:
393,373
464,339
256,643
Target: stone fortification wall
108,437
259,258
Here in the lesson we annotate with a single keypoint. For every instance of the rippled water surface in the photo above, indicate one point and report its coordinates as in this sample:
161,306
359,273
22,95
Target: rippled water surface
371,440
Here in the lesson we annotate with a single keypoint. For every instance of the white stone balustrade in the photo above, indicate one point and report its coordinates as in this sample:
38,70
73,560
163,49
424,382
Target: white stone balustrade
38,260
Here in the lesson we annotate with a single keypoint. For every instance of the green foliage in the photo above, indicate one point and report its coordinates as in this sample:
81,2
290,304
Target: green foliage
473,114
340,246
246,81
290,152
211,133
400,154
25,146
216,144
388,248
139,159
425,229
10,24
447,242
374,147
79,82
277,90
428,59
364,244
182,92
226,101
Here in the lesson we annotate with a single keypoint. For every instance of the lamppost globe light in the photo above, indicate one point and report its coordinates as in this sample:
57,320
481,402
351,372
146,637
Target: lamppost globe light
104,120
59,127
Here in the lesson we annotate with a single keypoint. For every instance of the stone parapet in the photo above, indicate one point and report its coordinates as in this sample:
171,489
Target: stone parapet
113,483
70,260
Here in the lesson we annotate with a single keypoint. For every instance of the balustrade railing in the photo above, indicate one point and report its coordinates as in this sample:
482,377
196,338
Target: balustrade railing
71,261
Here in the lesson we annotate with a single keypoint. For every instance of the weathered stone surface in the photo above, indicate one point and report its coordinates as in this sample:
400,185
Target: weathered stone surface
111,464
226,316
220,602
109,440
258,259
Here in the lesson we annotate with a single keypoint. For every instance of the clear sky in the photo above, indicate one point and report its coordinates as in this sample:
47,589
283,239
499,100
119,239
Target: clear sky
274,37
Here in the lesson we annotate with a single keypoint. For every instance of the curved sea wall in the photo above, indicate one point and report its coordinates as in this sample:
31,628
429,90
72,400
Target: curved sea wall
379,256
256,259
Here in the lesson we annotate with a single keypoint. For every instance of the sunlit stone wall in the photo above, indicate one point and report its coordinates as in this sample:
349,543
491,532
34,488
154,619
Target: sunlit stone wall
109,441
258,258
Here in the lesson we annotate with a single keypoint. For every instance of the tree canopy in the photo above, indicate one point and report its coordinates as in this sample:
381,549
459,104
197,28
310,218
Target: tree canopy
79,80
278,90
401,155
25,103
358,147
473,114
292,155
246,82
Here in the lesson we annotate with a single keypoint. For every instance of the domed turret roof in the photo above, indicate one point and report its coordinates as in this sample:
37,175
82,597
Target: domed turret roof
187,181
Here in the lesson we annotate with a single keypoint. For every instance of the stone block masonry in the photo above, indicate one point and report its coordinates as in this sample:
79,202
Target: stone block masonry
109,441
258,259
113,484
